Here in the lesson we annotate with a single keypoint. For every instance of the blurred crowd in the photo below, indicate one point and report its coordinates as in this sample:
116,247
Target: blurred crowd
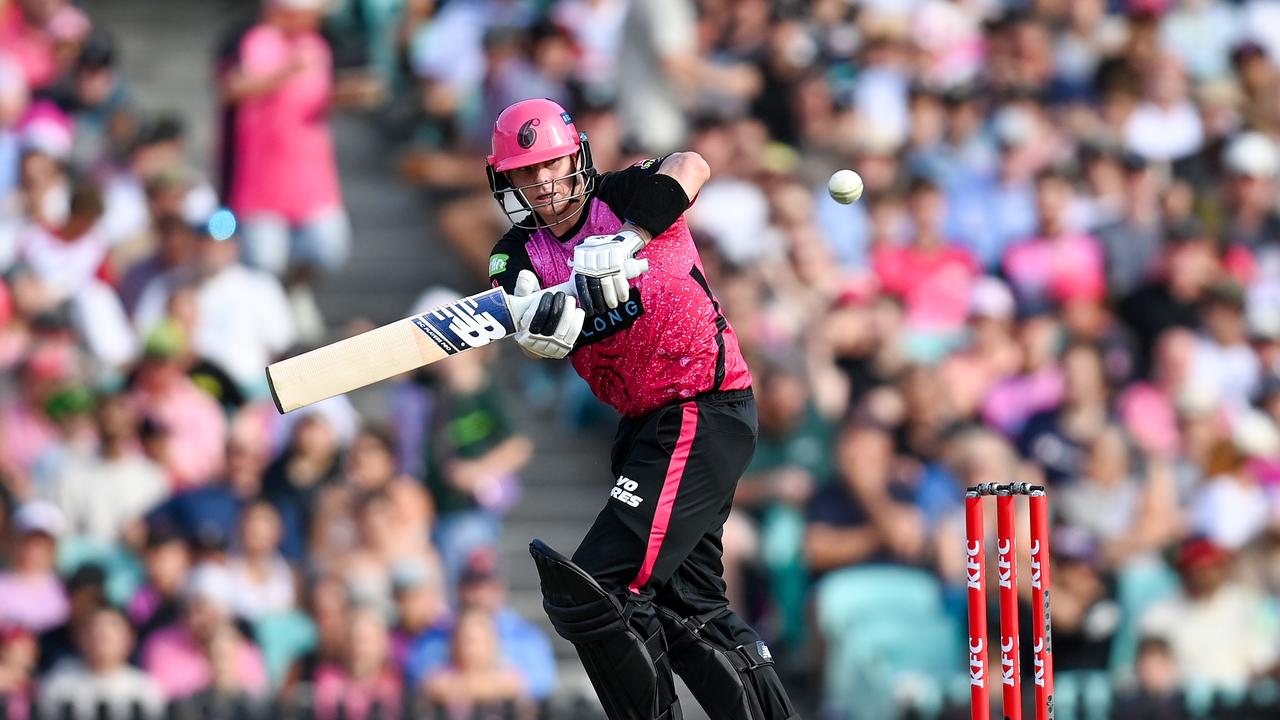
1065,269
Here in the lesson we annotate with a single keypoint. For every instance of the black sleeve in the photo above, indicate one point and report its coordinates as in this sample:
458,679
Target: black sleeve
617,188
508,258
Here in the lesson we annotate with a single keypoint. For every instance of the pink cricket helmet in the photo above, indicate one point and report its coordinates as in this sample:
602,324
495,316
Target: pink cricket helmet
529,132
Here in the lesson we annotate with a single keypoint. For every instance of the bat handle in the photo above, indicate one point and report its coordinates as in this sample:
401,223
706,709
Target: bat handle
634,267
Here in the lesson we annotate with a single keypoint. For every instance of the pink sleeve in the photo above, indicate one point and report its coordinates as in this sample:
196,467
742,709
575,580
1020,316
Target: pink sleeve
262,52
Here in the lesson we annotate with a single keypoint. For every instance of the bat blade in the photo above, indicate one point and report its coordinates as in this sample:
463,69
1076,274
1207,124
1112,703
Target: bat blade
390,350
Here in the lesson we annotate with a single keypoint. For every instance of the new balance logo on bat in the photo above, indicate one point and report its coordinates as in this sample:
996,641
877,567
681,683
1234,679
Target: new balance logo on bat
469,323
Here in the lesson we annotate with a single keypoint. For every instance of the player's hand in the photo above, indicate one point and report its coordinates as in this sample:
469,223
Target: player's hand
549,327
600,270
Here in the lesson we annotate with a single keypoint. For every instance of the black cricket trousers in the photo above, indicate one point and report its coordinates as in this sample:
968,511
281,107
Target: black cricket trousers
658,539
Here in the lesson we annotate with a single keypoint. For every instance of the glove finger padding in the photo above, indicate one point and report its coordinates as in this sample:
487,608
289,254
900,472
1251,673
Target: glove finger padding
571,322
547,314
526,284
550,327
609,291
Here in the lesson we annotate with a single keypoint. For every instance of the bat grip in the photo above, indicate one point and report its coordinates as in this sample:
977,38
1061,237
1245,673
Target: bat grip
634,267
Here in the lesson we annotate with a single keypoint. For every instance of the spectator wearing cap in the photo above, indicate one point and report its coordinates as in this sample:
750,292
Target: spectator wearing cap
932,277
166,563
102,675
104,493
1220,630
1251,161
366,677
241,319
177,657
194,424
418,592
263,580
521,645
86,593
31,594
285,176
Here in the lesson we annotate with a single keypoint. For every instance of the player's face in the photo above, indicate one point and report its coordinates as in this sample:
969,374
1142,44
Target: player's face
547,188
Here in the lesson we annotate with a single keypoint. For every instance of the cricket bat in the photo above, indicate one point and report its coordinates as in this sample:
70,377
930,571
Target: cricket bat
404,345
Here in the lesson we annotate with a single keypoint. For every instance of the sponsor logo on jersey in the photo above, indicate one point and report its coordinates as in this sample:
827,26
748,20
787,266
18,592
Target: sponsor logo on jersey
611,322
624,491
646,164
568,120
469,323
527,135
498,263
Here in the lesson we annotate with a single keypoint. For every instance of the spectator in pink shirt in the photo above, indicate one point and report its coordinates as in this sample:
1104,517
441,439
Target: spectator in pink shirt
178,657
284,179
194,422
26,431
31,595
932,278
366,676
1059,265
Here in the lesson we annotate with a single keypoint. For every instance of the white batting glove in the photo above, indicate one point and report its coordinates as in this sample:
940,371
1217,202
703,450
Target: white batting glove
549,327
600,270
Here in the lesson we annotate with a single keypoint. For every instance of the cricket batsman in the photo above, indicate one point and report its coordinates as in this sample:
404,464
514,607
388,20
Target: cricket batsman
643,593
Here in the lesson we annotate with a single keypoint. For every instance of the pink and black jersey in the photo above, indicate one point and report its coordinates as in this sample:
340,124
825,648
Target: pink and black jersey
669,341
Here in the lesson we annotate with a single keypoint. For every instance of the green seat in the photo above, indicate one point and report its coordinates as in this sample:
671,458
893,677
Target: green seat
283,638
1138,586
876,594
890,641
